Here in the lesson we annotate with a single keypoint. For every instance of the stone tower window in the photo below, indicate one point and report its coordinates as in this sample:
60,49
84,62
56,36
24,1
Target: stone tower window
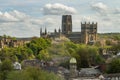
91,38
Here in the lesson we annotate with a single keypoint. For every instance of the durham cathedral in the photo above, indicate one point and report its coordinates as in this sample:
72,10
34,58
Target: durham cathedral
88,34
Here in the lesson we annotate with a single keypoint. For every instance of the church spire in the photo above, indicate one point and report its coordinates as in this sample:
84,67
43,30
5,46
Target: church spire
59,30
45,30
40,31
55,31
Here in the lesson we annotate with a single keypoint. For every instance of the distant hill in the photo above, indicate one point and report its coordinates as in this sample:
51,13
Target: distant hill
25,39
114,36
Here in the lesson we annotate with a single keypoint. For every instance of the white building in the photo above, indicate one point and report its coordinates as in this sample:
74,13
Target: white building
17,66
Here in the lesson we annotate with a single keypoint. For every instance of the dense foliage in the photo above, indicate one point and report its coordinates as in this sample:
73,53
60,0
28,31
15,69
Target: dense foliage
16,54
115,48
86,55
114,66
28,51
5,68
38,45
32,73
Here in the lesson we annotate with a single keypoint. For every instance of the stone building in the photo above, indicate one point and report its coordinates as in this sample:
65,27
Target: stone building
88,34
33,63
9,42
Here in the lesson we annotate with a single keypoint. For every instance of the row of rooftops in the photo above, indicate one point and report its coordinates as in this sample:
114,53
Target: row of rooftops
83,74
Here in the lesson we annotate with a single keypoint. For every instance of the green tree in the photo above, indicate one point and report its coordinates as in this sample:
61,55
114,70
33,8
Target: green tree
5,68
115,48
88,56
43,55
84,56
108,42
36,45
6,65
114,66
18,53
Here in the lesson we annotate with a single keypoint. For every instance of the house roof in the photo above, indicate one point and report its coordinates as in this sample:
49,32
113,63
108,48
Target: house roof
89,71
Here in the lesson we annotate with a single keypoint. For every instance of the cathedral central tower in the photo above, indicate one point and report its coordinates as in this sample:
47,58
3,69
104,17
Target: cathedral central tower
66,24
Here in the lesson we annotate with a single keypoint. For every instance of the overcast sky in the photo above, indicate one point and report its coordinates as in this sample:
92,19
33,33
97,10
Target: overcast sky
23,18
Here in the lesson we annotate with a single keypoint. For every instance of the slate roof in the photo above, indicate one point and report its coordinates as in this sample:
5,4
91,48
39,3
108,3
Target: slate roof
89,72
